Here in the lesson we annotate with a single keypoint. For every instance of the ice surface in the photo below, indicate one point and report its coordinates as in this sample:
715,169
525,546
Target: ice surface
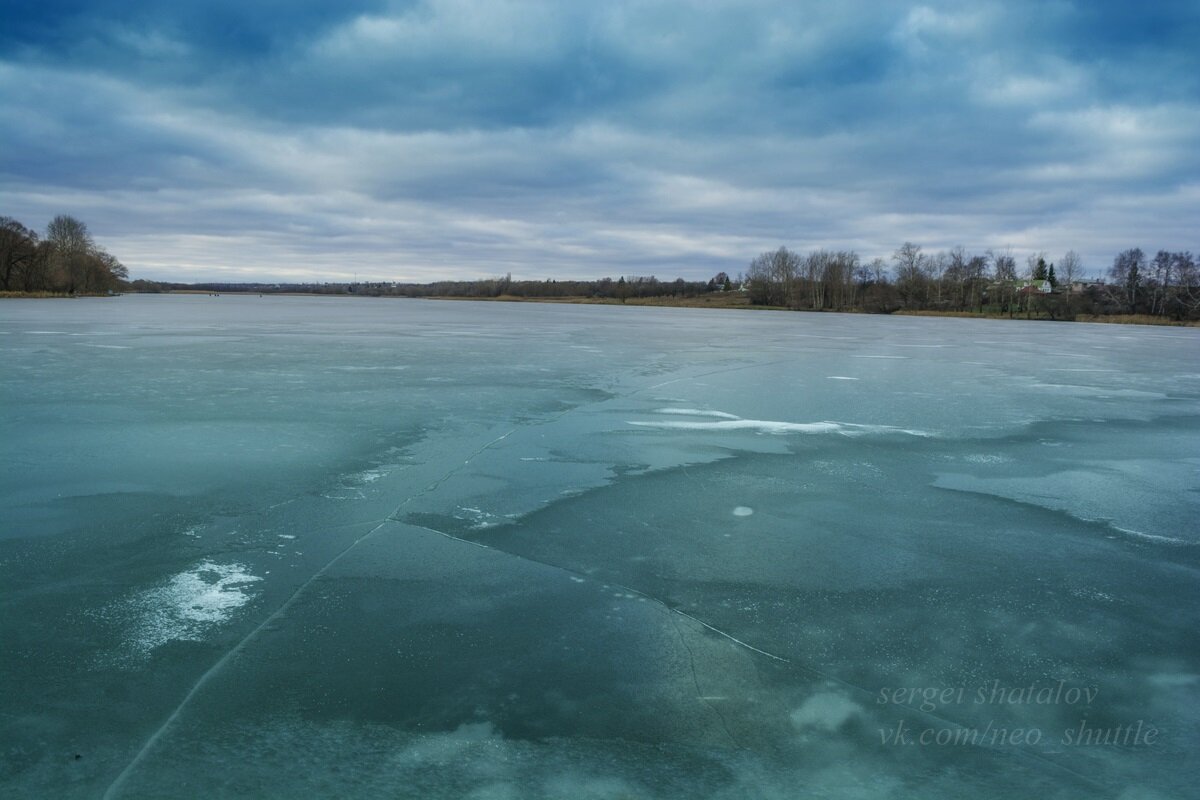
349,547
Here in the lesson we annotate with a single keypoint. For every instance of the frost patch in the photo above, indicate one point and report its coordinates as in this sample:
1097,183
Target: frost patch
478,518
185,608
826,711
986,458
445,749
777,427
370,475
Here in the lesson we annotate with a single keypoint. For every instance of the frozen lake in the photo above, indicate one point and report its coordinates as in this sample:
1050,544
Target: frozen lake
296,546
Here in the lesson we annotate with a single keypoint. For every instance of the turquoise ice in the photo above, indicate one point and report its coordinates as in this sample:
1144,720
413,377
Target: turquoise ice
273,546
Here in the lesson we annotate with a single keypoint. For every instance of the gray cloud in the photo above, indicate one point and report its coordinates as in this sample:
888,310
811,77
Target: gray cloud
450,138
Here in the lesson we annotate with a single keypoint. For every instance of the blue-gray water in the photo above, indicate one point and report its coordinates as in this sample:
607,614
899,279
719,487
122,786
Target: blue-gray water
346,547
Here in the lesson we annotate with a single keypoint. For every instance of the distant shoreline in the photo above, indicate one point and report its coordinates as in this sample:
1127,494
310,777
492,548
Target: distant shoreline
720,300
715,301
53,295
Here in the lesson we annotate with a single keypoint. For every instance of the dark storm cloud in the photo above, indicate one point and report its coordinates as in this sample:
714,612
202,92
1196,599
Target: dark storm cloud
424,139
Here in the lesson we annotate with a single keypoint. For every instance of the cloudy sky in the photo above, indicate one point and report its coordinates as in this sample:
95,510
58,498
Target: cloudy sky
290,139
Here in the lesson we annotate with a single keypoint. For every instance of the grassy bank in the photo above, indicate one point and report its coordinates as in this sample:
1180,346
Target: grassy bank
1120,319
1137,319
40,295
740,300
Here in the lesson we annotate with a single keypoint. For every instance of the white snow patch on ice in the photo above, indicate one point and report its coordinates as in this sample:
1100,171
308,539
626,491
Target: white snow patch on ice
743,511
371,475
1151,537
761,425
986,458
825,711
479,519
185,607
776,427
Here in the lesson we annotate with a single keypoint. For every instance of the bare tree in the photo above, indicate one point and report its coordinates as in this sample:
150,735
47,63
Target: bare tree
1187,283
815,266
1004,266
1126,276
18,250
965,276
772,277
69,235
908,260
844,268
113,272
1071,268
935,267
910,272
1160,281
70,246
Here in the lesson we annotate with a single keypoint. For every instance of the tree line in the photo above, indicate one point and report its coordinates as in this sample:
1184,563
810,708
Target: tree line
66,260
622,288
1167,285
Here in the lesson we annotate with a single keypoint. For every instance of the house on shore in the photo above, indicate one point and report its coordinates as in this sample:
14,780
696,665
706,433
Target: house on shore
1033,286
